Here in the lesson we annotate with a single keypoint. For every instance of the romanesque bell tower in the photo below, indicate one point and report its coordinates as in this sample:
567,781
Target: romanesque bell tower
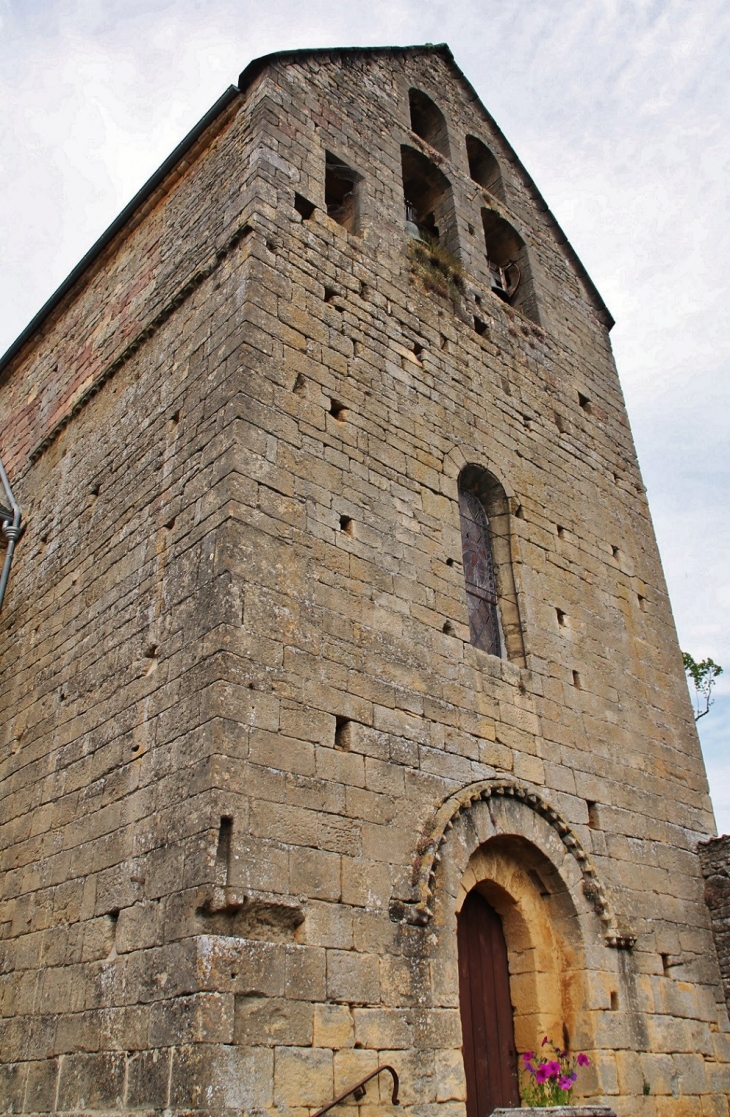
344,722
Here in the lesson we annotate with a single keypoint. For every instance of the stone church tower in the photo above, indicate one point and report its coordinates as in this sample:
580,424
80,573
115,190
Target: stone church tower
344,722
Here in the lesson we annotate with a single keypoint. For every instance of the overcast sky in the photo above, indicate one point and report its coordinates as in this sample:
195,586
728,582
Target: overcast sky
618,108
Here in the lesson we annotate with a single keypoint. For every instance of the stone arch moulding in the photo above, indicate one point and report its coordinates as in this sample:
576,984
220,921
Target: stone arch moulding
418,911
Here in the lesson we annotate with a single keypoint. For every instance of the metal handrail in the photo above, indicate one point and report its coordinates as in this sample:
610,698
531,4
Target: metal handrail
358,1090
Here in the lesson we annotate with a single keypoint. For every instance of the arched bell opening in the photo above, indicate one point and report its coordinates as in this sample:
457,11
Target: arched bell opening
483,167
428,122
429,205
508,262
536,982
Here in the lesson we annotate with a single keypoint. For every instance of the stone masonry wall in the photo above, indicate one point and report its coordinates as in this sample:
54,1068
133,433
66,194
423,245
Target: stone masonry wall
715,861
236,657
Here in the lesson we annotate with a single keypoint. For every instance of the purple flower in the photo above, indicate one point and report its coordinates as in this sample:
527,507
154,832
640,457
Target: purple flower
572,1076
544,1041
566,1083
528,1056
554,1069
583,1060
541,1074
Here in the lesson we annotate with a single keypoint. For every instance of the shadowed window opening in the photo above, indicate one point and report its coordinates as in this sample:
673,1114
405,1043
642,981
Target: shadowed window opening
480,326
428,122
429,205
483,167
304,207
585,403
510,275
576,681
342,193
614,1002
342,732
494,621
593,821
223,851
346,524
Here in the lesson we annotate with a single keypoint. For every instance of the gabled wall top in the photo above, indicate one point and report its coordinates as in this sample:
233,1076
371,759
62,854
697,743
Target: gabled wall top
209,125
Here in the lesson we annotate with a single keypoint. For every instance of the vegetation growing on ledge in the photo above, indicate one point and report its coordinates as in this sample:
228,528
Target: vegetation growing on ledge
436,268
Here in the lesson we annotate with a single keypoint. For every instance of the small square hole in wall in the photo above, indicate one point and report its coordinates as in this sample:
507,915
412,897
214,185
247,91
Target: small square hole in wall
329,294
641,602
577,680
615,552
346,524
478,299
520,512
443,341
527,422
585,403
561,617
561,531
471,230
417,350
304,207
614,1002
480,326
338,410
665,964
593,815
448,628
342,732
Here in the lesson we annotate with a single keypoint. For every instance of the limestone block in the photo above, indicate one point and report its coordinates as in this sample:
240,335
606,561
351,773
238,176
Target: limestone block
270,1020
333,1026
350,1065
381,1027
303,1076
91,1082
351,978
147,1079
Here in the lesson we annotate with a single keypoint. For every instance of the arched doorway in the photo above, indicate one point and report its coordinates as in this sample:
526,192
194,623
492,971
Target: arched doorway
490,1059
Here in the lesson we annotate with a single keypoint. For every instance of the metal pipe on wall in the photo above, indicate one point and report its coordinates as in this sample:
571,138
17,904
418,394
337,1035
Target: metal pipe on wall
11,529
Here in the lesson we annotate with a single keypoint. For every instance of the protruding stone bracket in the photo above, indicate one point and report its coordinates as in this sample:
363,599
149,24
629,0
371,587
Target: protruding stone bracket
420,911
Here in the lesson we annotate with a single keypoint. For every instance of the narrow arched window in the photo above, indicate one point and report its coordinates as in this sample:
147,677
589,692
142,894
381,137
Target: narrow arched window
494,619
479,574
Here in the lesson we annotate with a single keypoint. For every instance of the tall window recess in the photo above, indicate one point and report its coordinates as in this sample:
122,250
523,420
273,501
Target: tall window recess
484,168
342,189
429,202
494,619
428,122
509,266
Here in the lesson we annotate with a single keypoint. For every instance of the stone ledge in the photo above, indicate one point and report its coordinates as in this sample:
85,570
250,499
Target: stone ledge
558,1111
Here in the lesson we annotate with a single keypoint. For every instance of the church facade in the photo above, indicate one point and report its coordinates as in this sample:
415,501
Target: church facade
345,724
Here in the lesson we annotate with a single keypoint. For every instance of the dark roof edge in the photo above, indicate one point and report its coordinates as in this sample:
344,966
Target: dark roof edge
258,65
118,223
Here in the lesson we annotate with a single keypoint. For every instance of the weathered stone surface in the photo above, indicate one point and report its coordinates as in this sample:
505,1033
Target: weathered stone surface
250,762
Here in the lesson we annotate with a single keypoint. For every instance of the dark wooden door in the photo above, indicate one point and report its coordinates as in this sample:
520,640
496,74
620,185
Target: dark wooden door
490,1059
